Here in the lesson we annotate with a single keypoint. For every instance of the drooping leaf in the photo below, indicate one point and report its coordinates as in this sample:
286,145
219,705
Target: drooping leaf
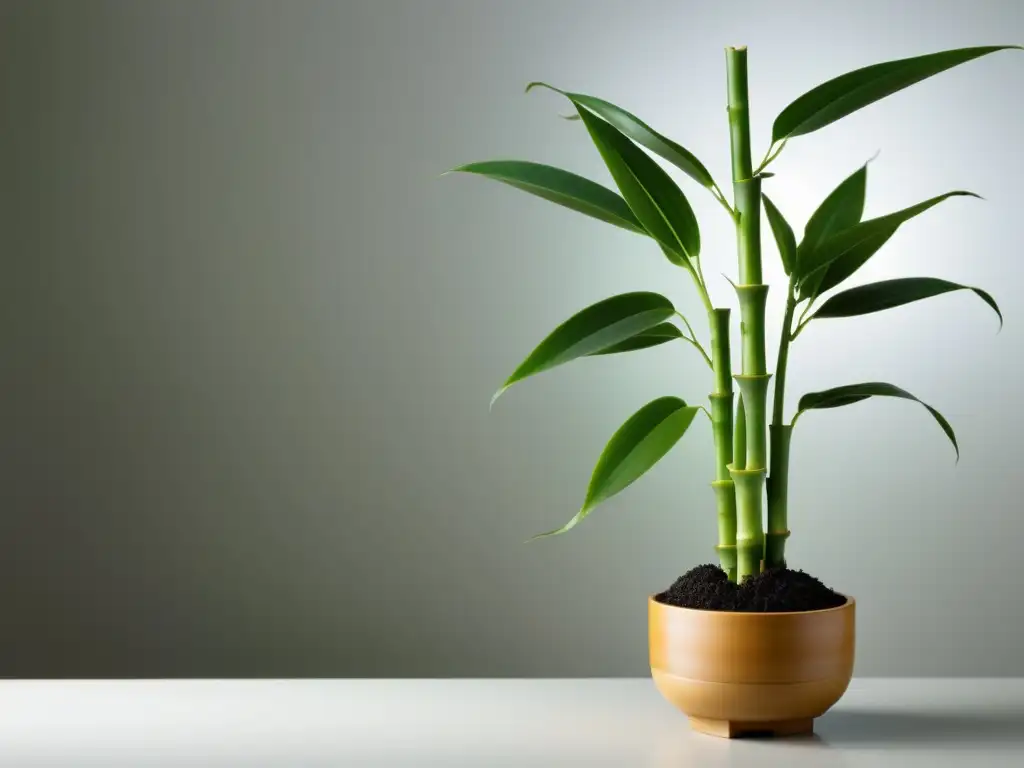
847,93
561,187
595,328
847,251
854,393
784,237
650,337
659,205
640,132
843,208
875,297
635,447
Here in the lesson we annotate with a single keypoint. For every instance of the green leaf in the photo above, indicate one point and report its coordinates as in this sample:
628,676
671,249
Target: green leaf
886,294
843,208
637,446
784,237
847,93
640,132
595,328
675,258
651,337
854,393
847,251
657,202
814,284
561,187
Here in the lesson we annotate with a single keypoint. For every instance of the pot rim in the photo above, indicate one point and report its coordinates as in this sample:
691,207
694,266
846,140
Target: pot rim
850,602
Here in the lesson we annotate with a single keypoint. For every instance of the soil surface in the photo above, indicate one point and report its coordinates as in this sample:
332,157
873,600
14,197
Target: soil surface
774,590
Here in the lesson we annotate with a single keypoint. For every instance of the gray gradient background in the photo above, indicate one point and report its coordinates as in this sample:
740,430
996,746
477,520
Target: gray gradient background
249,336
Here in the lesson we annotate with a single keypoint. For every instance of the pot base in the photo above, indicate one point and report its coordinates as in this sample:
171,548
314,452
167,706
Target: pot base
735,673
731,729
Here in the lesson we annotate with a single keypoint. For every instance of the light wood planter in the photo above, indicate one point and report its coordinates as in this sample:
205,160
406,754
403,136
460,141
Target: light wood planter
737,674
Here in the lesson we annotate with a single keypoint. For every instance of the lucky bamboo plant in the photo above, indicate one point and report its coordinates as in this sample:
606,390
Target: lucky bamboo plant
752,440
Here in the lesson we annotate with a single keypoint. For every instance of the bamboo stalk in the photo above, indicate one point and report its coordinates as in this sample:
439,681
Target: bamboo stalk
778,497
753,298
749,532
722,426
747,192
754,395
777,530
739,440
739,118
725,496
748,477
785,337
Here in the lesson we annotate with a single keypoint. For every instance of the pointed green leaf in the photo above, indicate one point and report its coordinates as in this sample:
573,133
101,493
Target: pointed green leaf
784,237
675,258
640,132
886,294
843,208
814,284
654,198
595,328
561,187
854,393
651,337
847,251
847,93
637,446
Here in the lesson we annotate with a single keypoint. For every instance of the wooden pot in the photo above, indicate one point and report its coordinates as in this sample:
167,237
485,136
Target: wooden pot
737,673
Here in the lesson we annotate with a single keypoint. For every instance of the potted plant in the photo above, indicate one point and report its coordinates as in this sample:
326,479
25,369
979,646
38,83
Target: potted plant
748,645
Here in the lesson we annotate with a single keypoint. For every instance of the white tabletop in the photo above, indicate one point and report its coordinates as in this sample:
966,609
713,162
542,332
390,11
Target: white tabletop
485,723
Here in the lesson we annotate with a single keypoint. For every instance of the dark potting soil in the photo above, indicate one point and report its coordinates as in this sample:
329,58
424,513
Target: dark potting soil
774,590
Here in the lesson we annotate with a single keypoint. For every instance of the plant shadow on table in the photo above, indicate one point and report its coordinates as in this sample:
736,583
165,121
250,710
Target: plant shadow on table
888,728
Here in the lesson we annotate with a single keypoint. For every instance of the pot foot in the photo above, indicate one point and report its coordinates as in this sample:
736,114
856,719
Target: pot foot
731,729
